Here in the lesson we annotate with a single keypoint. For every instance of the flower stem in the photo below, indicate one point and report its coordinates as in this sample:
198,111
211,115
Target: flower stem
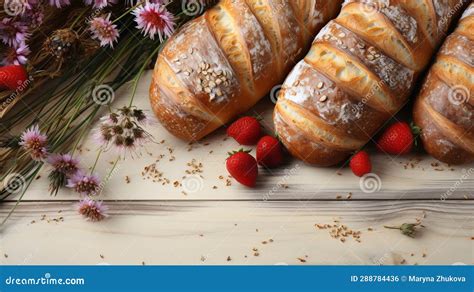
96,160
140,73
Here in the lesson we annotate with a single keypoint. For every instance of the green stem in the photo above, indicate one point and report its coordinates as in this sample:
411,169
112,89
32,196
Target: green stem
35,172
140,73
96,160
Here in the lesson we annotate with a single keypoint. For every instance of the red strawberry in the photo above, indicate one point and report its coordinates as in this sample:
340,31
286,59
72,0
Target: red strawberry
245,130
398,139
269,152
360,163
243,167
12,76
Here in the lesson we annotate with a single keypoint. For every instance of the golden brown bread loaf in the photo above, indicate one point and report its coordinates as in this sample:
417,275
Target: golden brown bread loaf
445,107
220,64
359,72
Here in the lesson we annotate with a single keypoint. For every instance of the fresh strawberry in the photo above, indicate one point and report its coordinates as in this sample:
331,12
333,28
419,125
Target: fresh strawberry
243,167
269,152
246,131
361,164
11,77
398,139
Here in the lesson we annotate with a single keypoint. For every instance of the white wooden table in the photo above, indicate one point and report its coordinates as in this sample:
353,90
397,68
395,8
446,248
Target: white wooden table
203,220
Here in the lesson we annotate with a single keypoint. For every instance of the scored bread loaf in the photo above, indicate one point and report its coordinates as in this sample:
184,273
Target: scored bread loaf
444,110
222,63
359,72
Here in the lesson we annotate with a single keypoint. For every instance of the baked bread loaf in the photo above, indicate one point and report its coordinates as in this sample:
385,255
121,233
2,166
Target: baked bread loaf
445,107
359,72
222,63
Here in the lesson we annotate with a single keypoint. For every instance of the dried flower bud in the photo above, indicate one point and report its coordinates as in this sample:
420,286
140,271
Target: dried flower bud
408,229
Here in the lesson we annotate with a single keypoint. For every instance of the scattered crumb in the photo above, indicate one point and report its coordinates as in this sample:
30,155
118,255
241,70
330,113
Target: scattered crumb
203,258
403,261
38,177
302,260
340,231
256,254
127,179
370,229
424,255
101,256
143,263
5,255
229,258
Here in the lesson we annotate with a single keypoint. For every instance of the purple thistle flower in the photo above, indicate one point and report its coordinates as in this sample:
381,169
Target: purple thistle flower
34,143
64,163
154,19
84,184
103,30
34,16
123,130
92,210
13,32
16,55
99,4
59,3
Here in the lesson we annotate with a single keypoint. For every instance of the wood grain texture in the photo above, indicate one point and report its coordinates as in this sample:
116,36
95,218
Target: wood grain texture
400,177
209,232
158,224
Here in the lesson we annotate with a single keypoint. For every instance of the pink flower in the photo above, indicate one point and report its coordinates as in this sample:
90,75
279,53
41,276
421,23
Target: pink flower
35,143
92,210
103,30
13,32
16,55
154,19
64,163
123,131
59,3
34,16
100,3
84,184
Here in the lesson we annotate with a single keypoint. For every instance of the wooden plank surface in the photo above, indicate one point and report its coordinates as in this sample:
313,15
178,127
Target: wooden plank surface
408,177
203,220
209,232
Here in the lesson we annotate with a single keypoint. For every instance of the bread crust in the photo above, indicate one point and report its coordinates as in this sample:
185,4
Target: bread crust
445,106
360,71
222,63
